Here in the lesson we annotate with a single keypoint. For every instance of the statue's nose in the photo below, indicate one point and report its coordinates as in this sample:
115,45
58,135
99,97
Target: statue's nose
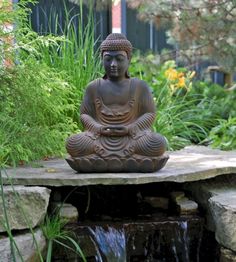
113,63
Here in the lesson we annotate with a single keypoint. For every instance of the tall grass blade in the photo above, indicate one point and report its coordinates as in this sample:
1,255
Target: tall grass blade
13,245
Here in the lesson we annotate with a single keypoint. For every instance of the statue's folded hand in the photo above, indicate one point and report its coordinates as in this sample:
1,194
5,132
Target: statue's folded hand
114,130
96,130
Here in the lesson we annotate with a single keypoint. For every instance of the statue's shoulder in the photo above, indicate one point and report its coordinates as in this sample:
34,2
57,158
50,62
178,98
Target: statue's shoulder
141,84
93,85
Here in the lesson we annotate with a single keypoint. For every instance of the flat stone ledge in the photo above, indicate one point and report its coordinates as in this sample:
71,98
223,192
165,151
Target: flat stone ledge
190,164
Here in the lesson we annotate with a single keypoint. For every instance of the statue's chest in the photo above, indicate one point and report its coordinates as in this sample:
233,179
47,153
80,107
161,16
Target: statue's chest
113,96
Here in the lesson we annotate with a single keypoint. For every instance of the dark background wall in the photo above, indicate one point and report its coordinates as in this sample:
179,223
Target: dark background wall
46,12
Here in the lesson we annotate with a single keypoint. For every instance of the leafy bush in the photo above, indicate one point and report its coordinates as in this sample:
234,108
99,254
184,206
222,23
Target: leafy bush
35,112
71,50
184,115
41,93
223,101
223,136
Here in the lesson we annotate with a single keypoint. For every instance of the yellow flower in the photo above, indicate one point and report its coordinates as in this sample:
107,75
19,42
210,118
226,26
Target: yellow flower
171,74
181,82
181,74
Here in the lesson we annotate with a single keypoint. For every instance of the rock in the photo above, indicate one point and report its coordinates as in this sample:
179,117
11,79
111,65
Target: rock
202,191
25,206
217,198
66,211
158,202
201,194
227,255
26,246
223,209
182,204
176,195
189,164
186,206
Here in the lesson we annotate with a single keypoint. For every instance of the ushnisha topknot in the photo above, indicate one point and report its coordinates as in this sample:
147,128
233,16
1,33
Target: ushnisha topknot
116,42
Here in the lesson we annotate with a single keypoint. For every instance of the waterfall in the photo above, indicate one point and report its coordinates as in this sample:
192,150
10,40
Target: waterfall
183,239
170,240
110,242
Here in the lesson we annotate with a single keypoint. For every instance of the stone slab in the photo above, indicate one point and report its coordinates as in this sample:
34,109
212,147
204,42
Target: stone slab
223,209
24,207
66,211
189,164
217,198
227,255
26,246
203,191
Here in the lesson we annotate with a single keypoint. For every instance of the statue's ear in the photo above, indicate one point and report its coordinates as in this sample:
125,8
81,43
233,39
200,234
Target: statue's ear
129,58
127,74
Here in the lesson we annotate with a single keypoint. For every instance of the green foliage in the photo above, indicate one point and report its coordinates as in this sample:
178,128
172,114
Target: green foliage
35,109
55,232
41,94
223,101
73,51
14,248
187,111
223,136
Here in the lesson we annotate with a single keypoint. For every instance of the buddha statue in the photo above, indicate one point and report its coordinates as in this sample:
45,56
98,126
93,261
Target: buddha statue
117,113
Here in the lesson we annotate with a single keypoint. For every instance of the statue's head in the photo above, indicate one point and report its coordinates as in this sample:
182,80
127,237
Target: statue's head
117,42
116,49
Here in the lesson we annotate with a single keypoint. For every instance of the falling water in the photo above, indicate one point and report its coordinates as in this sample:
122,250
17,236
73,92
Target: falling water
110,243
183,230
181,241
163,241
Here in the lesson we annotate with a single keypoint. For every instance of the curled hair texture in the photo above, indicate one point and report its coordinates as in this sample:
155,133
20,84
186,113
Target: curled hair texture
116,42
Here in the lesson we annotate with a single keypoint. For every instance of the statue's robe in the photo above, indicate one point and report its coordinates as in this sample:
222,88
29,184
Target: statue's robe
137,113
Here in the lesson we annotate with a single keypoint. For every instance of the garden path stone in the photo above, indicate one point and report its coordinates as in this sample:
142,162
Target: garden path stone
192,163
24,206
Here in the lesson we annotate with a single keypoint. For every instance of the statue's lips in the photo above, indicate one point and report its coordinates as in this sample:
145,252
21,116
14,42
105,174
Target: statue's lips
114,70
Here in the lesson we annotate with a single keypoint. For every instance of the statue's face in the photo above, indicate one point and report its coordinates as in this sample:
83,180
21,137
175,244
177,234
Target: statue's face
115,63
